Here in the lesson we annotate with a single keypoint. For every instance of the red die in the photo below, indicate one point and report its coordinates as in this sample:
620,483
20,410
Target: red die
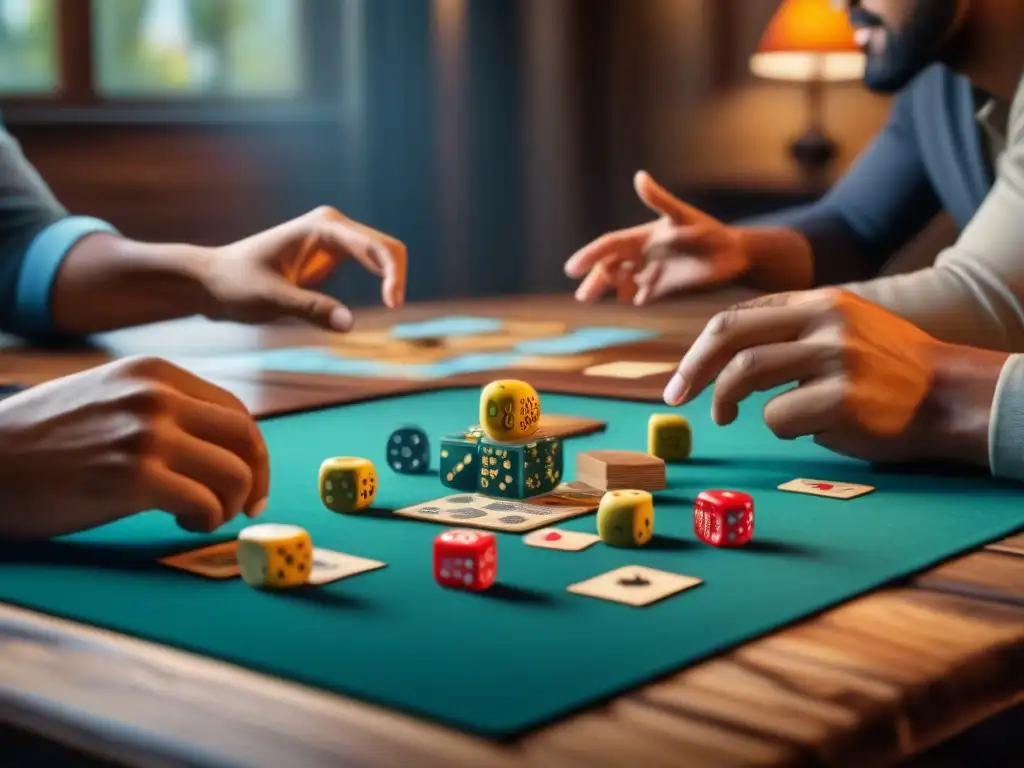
465,559
723,518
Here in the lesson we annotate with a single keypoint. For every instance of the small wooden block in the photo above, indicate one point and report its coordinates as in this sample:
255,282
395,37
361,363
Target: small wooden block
621,470
562,426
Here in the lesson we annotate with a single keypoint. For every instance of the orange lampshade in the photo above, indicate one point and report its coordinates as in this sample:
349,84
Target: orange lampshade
806,40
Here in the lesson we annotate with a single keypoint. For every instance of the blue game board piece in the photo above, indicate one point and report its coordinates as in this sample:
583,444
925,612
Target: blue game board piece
584,340
455,325
469,364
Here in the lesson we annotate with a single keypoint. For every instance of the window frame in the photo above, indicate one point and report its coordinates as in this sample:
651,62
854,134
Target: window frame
77,100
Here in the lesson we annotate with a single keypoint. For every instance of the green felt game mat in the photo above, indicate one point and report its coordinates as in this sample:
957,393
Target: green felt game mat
502,662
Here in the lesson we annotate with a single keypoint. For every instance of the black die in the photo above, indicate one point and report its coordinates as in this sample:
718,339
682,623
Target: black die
408,451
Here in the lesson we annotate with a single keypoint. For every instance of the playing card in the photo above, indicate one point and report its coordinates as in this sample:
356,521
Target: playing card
556,538
828,488
331,566
628,369
635,585
474,510
219,561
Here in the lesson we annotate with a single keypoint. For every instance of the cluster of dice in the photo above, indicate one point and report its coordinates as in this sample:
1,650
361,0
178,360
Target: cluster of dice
625,517
503,457
468,560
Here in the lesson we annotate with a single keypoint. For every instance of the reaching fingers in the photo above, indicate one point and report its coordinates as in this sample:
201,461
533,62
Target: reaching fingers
313,307
224,473
729,333
216,416
382,255
662,202
232,433
648,281
195,506
809,409
606,275
625,245
625,282
758,369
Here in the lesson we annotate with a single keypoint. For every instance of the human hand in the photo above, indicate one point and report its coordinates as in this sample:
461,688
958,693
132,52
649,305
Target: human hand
126,437
270,275
864,376
683,249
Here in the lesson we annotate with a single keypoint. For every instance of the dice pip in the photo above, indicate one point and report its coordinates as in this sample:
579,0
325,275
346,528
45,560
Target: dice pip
626,518
521,469
723,518
669,437
347,483
274,556
460,460
408,451
466,560
509,410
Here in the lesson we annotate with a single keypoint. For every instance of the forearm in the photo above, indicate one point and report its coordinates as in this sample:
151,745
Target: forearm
963,412
806,248
107,282
780,259
961,300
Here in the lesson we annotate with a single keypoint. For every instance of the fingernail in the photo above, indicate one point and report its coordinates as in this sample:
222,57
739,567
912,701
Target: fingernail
258,508
675,390
341,319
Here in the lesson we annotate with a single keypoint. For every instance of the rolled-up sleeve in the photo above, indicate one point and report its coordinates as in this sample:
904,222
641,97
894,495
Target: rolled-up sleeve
973,295
36,233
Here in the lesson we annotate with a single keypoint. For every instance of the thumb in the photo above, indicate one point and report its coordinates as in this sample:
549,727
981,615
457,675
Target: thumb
311,306
662,202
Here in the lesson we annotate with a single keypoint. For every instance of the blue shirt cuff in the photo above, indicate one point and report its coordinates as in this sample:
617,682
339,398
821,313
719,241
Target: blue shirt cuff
43,258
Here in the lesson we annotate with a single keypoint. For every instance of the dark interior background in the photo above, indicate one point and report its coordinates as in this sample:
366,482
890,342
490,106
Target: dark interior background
494,136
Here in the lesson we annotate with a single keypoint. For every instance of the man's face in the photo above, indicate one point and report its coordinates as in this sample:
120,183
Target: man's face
902,38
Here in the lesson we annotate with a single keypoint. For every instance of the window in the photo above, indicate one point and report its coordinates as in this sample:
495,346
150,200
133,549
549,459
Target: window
124,52
216,47
28,51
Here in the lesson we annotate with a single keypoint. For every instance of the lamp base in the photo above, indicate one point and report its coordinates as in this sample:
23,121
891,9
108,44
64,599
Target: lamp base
814,150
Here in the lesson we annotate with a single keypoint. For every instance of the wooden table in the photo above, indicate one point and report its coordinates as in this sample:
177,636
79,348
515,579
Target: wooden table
875,680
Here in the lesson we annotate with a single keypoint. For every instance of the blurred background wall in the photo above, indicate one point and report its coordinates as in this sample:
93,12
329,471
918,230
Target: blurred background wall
493,136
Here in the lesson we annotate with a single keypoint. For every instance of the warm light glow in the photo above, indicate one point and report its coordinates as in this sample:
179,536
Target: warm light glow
804,67
808,40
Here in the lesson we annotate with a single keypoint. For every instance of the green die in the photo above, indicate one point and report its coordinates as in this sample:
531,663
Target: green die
521,469
626,518
460,460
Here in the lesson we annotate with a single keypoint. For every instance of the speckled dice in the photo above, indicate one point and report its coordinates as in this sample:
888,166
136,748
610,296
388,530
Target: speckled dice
626,518
347,483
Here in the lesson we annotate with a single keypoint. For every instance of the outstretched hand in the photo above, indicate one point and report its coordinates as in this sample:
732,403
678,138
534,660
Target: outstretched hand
683,249
863,376
273,274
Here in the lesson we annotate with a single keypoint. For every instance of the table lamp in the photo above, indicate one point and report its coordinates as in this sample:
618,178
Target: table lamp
810,42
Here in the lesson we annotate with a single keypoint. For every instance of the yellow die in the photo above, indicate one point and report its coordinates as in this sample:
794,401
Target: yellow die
275,556
626,518
509,410
347,483
669,437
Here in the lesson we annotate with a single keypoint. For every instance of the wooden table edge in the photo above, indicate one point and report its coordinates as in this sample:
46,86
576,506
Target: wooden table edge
117,696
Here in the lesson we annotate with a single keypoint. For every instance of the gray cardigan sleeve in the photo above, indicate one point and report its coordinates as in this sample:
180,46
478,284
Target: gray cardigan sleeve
973,294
